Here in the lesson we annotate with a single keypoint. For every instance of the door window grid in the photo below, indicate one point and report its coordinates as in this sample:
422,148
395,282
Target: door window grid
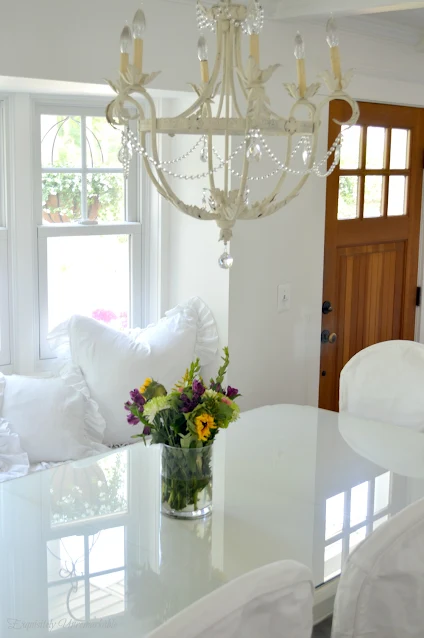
374,172
341,512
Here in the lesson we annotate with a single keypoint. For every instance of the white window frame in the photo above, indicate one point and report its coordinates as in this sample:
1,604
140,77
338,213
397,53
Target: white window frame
130,227
5,305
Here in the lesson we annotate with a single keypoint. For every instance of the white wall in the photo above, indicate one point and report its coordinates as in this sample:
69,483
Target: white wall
275,357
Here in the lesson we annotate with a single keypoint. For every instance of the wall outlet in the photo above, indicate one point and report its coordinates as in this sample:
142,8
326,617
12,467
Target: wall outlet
284,297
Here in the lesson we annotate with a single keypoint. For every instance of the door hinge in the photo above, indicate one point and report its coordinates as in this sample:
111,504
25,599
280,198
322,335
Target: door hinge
419,296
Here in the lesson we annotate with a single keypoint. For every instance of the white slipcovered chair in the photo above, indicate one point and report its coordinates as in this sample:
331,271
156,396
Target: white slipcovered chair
274,601
381,590
385,382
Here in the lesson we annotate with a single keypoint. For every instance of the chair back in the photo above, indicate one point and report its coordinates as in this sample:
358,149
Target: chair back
274,601
385,382
381,590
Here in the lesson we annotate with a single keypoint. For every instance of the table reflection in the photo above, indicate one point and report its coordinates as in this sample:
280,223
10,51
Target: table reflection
86,542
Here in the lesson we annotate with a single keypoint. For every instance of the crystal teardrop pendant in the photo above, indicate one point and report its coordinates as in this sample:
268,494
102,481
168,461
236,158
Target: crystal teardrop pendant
225,261
205,198
254,150
204,154
337,154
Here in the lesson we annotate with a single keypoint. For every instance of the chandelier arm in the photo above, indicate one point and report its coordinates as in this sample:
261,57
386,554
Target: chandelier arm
227,90
233,86
242,78
211,85
210,153
224,45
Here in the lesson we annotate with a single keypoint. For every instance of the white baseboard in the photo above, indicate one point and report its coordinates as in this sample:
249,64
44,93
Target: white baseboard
324,600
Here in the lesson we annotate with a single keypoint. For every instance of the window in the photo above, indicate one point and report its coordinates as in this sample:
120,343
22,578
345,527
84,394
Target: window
4,249
351,516
88,229
374,172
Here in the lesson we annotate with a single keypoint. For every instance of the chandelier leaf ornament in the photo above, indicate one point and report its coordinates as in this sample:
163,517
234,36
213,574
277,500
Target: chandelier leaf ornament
232,121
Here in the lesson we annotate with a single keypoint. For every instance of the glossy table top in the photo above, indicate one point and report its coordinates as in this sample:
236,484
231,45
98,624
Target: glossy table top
85,549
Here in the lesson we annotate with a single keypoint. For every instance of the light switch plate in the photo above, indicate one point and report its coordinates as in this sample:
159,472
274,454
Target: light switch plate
284,297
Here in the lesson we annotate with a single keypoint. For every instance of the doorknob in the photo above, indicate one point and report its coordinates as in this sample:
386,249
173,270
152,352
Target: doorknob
327,307
328,337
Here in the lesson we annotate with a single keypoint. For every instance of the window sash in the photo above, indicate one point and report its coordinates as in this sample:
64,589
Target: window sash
133,230
60,107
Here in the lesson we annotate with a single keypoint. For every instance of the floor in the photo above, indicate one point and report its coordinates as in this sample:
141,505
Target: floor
323,630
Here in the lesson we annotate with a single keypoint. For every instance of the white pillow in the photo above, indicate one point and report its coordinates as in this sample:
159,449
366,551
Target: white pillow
54,418
114,363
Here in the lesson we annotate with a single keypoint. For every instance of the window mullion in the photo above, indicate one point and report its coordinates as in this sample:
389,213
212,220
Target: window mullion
84,211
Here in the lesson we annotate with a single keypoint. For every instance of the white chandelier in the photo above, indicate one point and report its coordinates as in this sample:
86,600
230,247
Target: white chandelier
231,101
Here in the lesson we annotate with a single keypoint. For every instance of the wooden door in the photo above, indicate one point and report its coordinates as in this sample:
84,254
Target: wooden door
371,236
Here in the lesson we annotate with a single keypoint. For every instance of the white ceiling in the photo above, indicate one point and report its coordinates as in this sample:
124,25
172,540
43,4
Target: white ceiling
405,24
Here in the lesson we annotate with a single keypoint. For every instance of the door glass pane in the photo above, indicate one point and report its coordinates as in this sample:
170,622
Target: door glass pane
357,537
349,157
376,141
399,149
332,560
60,141
397,196
358,504
348,198
61,197
373,196
334,515
89,276
103,144
382,492
106,197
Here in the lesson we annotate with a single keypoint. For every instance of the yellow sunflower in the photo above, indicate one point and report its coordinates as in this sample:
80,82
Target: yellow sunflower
204,424
145,385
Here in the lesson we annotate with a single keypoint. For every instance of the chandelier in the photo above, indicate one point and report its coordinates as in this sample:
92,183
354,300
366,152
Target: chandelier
235,129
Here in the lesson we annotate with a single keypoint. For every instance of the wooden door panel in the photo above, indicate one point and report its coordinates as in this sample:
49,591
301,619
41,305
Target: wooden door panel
370,296
371,263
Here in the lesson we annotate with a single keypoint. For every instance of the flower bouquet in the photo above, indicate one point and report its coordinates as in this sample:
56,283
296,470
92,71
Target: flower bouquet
186,421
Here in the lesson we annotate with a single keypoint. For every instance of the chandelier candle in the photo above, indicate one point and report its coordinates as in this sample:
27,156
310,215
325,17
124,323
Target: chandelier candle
333,42
202,53
230,104
126,44
138,28
299,54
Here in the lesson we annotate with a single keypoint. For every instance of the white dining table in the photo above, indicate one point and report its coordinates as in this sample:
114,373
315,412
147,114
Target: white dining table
85,550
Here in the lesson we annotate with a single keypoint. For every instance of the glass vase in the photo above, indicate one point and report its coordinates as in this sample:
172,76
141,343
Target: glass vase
186,478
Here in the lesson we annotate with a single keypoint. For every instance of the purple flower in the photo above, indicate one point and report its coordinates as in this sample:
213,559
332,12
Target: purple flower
132,419
198,388
232,392
216,386
137,399
146,430
189,404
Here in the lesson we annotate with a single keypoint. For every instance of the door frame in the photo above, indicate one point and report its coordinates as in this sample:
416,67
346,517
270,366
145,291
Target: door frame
417,225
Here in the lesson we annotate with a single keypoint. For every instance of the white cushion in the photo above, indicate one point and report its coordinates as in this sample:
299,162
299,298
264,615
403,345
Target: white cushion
54,418
274,601
114,363
385,382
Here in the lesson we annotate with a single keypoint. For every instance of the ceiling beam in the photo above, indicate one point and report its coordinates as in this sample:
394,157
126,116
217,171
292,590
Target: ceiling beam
311,8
